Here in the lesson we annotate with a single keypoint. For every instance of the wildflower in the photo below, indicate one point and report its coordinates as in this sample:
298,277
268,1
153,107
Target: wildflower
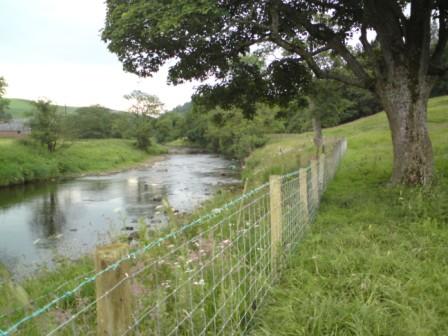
137,289
199,283
225,243
61,315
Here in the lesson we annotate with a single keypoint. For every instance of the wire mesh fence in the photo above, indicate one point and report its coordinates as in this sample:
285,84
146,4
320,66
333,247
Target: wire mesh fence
205,278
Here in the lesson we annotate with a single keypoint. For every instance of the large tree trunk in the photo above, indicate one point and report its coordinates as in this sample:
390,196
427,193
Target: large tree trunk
405,100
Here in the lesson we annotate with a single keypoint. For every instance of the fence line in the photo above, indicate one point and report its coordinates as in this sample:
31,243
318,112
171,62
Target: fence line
206,277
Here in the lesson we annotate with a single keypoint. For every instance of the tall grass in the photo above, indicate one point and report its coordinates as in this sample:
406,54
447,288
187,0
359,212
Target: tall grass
376,260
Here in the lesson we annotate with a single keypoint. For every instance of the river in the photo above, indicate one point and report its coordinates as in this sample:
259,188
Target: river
39,223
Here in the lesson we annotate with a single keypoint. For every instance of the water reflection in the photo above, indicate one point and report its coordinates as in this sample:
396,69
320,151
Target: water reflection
39,222
48,218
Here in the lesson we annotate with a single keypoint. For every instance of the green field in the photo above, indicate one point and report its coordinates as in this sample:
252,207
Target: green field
376,260
21,163
22,108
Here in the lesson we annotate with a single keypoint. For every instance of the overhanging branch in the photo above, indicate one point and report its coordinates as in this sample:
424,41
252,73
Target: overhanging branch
320,73
334,42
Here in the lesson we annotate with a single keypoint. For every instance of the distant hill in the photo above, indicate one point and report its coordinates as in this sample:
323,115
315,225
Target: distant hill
182,108
22,108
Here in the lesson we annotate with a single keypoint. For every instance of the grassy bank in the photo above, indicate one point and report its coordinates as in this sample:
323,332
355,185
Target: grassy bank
374,263
376,260
22,163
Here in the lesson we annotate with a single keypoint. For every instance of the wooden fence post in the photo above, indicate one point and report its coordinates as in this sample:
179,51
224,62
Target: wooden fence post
314,183
321,173
303,194
114,310
276,217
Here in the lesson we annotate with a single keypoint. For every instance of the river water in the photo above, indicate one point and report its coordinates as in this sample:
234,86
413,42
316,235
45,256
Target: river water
41,223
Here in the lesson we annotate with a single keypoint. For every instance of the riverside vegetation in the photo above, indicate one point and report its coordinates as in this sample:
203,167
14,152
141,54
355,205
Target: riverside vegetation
83,140
373,263
22,161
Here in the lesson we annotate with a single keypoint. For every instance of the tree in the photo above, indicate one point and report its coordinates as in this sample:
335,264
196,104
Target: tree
92,122
4,103
208,37
144,104
46,124
144,107
170,126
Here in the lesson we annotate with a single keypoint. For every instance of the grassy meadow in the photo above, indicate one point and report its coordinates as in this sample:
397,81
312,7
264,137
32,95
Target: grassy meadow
375,262
24,161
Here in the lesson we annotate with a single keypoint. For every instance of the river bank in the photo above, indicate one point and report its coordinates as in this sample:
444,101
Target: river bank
54,281
22,162
51,282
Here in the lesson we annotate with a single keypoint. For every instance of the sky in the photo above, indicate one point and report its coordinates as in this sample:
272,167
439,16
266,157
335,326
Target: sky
53,49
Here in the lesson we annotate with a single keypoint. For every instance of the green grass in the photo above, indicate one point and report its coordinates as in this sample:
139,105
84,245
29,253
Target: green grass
375,262
24,161
282,154
22,108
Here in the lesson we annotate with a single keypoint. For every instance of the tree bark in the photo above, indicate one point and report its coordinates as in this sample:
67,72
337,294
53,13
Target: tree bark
318,139
405,98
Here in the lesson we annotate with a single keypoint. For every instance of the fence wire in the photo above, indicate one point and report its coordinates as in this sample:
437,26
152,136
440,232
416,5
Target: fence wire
205,278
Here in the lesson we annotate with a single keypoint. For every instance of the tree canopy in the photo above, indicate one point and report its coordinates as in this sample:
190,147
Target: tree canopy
4,103
46,124
145,107
207,38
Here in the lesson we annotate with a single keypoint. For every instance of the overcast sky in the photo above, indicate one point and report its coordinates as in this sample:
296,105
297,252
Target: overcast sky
52,48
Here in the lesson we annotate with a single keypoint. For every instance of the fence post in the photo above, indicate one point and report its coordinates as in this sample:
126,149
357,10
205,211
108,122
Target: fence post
314,183
275,192
303,193
114,310
321,173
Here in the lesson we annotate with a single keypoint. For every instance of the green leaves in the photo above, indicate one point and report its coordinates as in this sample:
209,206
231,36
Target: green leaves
4,103
46,124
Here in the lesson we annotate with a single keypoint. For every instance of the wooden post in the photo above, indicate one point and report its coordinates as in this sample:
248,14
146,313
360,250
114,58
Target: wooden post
314,182
321,173
114,310
303,194
276,217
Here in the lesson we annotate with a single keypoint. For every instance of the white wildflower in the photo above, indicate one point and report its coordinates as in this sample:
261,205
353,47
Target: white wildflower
216,211
199,283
